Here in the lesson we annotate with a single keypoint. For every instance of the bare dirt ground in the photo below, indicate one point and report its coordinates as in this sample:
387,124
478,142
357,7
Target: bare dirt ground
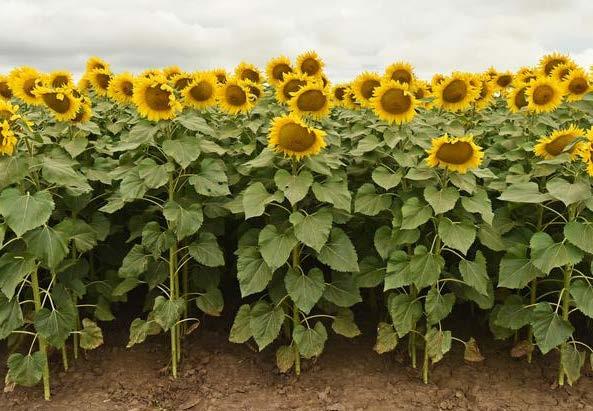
218,375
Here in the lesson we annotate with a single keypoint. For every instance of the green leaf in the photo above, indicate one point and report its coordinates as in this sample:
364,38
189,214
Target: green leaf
342,291
524,193
184,221
385,178
549,329
371,274
77,230
14,268
366,144
140,329
426,267
415,213
24,212
126,285
568,193
57,324
11,316
457,235
26,370
305,289
135,262
91,335
438,306
131,187
241,329
167,311
48,244
310,341
582,293
368,202
514,314
265,323
184,150
294,187
491,238
312,229
465,182
12,170
386,338
255,199
474,273
206,250
252,271
571,361
344,324
479,203
334,191
211,302
284,358
211,179
399,273
516,272
438,343
580,234
275,246
142,133
156,240
58,169
193,121
154,175
547,255
405,311
443,200
339,253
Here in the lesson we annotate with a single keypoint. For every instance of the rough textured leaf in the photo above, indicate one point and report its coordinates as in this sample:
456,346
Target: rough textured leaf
339,252
342,291
294,187
310,341
206,250
211,179
368,202
415,213
312,229
549,329
386,338
405,311
441,201
474,273
167,311
275,246
26,370
241,329
568,193
457,235
183,150
265,323
24,212
305,289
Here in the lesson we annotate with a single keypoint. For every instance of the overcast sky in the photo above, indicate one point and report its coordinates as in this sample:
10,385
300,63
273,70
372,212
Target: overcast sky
350,35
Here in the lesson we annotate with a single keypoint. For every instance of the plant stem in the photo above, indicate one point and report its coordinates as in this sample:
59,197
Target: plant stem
185,279
565,312
533,291
425,365
65,357
412,341
296,261
173,284
42,345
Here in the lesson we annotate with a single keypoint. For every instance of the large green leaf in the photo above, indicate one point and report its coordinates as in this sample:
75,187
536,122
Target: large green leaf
438,306
479,203
11,316
265,323
405,311
26,370
155,240
342,291
457,235
184,150
582,293
241,329
206,250
474,273
386,178
252,271
441,201
368,202
135,262
550,330
568,193
524,193
276,246
572,361
56,325
58,169
334,191
211,302
211,179
14,268
255,199
82,234
516,272
580,234
24,212
294,187
167,311
339,252
547,255
184,221
48,244
305,289
438,343
310,341
312,229
514,314
425,267
153,174
344,324
386,338
415,213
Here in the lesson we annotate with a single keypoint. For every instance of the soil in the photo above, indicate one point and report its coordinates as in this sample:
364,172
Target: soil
218,375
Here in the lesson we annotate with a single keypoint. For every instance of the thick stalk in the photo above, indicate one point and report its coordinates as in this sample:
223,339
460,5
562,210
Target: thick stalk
185,281
296,261
412,341
173,281
565,312
65,357
437,250
425,366
533,291
42,344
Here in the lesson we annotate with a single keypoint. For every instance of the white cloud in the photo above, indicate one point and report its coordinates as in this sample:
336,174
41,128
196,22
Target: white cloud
351,35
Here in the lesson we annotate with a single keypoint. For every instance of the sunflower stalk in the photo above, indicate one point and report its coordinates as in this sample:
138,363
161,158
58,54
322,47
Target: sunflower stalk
42,343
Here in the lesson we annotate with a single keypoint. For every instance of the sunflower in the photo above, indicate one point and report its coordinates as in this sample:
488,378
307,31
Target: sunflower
180,81
152,73
5,91
291,84
393,102
95,62
277,68
349,99
255,89
524,75
503,80
121,88
100,79
312,100
324,80
421,89
400,71
155,98
364,85
576,85
7,139
293,138
201,92
550,61
234,97
543,94
23,81
221,75
437,79
339,94
516,98
171,71
83,84
491,72
561,71
458,154
61,101
309,63
487,89
586,152
455,93
548,147
84,113
247,71
58,78
8,112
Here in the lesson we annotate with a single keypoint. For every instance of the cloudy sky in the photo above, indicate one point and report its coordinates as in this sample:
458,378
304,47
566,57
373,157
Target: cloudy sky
350,35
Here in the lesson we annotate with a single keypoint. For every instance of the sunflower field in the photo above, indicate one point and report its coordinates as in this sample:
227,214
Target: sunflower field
322,205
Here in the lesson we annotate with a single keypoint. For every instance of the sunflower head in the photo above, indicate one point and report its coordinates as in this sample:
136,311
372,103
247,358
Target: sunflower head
543,94
393,102
171,71
487,88
180,81
309,63
247,71
400,71
23,81
458,154
363,87
100,79
455,93
58,78
95,62
277,68
339,94
516,98
61,102
255,89
349,99
84,113
8,112
311,100
290,85
550,61
221,75
586,152
121,88
576,85
153,72
558,142
524,75
83,84
290,136
234,97
5,91
7,139
200,93
491,72
503,80
436,79
155,99
561,71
